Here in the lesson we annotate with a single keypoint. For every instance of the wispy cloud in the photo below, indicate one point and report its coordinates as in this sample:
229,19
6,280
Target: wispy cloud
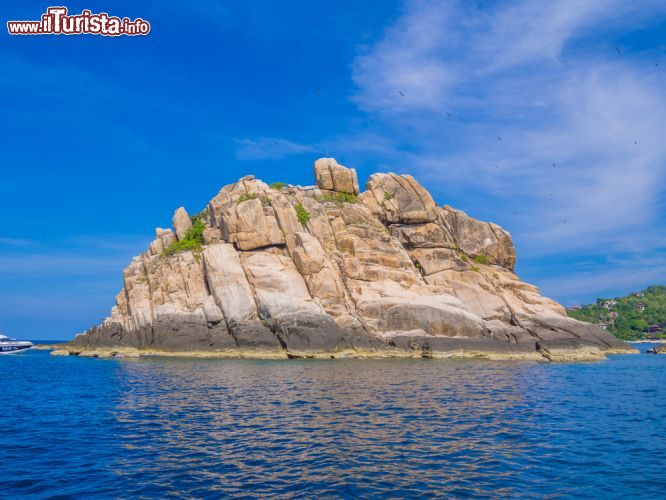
17,242
511,110
43,265
270,148
607,280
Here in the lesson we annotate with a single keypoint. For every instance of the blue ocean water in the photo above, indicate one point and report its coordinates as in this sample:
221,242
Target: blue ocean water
165,427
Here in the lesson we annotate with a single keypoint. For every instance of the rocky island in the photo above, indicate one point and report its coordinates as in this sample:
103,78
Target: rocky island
327,271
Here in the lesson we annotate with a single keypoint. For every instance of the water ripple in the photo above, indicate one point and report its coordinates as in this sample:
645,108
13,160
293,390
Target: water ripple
382,428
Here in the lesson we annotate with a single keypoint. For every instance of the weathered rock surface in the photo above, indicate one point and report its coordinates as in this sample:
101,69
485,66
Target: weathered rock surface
392,274
331,176
181,222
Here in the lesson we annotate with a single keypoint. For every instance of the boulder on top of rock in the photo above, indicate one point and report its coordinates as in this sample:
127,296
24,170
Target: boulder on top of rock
163,238
479,239
332,176
181,222
166,235
399,199
250,224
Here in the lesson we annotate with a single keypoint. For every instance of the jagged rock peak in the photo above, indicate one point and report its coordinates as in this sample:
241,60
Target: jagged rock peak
181,223
325,270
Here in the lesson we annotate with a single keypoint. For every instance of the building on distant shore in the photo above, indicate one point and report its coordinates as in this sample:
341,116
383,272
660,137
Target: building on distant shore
603,325
640,306
575,307
638,294
609,303
654,329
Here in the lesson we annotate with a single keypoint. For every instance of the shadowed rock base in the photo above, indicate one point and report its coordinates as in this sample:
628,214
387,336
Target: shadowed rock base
298,341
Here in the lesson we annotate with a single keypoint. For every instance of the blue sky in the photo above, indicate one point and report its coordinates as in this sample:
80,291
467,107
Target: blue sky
102,138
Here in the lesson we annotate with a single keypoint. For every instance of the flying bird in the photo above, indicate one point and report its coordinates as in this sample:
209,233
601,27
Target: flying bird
554,165
499,139
449,114
618,51
403,95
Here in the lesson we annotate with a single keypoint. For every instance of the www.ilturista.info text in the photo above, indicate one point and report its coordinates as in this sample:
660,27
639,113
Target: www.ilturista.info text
56,21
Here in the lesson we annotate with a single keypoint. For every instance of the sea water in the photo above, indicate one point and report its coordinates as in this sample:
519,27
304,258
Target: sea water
164,427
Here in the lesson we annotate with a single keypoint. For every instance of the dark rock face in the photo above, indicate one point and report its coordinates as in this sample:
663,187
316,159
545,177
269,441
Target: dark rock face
319,271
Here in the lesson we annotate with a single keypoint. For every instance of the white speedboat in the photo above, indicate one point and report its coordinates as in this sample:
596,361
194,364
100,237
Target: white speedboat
12,346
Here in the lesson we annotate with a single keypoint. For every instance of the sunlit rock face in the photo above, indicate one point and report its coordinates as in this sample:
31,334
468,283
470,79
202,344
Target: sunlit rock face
327,270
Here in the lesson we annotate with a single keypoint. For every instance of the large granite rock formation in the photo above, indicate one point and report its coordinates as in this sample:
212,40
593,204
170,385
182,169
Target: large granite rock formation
327,271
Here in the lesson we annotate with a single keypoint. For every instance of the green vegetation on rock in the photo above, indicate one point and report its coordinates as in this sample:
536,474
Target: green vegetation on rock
246,197
482,259
277,185
339,197
193,238
628,318
201,216
302,214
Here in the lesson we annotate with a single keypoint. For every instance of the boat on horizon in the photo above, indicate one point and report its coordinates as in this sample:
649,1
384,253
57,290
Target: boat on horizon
12,346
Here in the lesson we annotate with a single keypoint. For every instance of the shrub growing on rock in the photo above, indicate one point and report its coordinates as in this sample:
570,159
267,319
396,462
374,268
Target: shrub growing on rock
246,197
192,241
345,198
277,185
339,198
482,259
302,214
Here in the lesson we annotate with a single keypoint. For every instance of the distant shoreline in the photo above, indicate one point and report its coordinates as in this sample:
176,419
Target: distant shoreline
656,341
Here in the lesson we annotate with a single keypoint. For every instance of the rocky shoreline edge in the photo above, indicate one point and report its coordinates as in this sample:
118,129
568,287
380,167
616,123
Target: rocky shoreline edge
546,354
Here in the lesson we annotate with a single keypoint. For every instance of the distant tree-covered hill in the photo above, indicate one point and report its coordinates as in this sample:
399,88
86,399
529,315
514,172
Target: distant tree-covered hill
638,316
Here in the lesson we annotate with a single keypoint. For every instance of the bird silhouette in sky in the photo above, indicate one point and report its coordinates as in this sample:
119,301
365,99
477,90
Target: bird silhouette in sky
449,114
403,95
618,51
499,139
